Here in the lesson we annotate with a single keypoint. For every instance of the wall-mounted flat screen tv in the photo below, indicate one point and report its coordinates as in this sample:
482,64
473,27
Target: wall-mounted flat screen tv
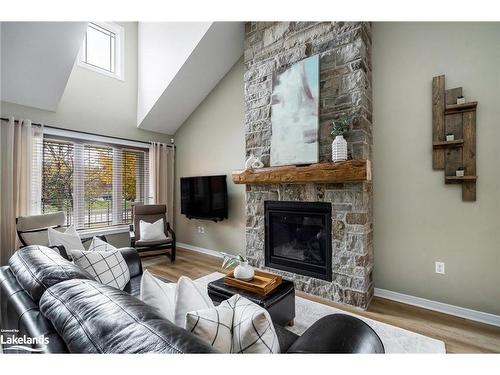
204,197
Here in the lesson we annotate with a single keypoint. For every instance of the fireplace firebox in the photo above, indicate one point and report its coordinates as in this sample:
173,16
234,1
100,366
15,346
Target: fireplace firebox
298,237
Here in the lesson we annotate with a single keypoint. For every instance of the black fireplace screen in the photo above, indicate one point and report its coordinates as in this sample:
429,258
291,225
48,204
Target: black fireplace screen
298,237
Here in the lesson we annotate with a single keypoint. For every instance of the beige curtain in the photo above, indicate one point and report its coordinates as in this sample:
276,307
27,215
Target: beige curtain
161,169
16,161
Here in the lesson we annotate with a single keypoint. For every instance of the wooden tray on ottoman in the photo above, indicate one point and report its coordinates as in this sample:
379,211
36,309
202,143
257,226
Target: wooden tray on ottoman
263,282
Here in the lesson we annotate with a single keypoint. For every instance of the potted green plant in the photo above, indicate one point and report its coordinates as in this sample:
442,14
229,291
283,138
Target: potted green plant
339,127
243,270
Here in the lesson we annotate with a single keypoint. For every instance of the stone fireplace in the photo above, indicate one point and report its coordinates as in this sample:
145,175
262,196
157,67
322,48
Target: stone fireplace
344,49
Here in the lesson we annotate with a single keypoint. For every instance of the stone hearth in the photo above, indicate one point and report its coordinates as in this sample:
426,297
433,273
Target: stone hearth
345,85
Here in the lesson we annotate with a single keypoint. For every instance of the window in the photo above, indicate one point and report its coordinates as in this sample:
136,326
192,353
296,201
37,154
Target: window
94,183
102,49
57,178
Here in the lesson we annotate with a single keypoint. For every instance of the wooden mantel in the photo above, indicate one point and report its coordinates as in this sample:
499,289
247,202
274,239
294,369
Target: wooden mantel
328,172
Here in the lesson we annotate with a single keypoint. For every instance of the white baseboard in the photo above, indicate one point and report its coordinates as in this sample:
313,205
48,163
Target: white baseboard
461,312
200,249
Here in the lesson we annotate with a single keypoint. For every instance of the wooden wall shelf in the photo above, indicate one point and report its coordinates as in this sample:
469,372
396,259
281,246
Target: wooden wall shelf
457,108
328,172
446,144
459,120
459,179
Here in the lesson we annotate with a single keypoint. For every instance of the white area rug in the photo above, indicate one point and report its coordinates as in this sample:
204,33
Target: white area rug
396,340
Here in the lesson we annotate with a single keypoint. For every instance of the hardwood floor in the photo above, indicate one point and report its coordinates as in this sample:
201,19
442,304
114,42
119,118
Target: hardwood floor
459,335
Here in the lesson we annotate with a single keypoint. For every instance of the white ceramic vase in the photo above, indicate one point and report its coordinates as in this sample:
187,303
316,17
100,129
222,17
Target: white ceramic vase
244,271
339,148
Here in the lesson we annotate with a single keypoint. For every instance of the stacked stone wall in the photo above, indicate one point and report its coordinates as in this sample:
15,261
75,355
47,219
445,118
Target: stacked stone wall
344,49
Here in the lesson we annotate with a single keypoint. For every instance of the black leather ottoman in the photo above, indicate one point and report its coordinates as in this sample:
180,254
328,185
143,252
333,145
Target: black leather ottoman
280,303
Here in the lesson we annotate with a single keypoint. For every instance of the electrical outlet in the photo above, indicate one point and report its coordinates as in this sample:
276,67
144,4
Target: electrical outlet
439,267
201,229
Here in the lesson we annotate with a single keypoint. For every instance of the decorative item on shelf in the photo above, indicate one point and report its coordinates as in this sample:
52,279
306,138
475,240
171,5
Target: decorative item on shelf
251,159
450,137
243,270
459,172
339,128
257,163
460,100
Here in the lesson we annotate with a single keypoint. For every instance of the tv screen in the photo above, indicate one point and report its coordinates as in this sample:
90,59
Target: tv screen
204,197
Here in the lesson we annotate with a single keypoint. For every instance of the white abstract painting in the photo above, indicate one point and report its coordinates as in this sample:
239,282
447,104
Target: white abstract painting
294,114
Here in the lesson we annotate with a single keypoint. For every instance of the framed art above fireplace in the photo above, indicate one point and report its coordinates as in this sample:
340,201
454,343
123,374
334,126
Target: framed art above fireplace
294,114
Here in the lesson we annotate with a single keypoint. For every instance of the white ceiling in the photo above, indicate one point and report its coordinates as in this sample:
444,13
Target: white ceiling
36,61
212,54
163,48
179,64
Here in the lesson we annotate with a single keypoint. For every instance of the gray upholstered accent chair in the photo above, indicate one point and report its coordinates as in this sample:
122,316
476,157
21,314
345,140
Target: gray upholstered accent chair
151,213
32,230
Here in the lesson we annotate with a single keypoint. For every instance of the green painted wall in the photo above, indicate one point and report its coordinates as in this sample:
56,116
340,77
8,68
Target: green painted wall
212,141
418,219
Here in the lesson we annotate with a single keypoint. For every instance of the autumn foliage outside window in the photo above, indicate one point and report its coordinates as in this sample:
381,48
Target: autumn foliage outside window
94,184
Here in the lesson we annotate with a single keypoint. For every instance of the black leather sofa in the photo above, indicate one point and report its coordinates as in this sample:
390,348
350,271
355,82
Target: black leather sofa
44,295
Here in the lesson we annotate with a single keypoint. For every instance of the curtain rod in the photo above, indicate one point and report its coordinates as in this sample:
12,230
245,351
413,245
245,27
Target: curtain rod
78,131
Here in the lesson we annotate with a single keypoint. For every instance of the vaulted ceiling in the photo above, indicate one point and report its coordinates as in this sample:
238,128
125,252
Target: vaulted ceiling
179,64
36,61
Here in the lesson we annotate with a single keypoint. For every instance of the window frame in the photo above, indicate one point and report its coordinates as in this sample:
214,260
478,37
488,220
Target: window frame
79,140
119,32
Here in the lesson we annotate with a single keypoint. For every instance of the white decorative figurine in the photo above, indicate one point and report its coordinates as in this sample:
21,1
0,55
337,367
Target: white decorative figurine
253,162
257,164
251,159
